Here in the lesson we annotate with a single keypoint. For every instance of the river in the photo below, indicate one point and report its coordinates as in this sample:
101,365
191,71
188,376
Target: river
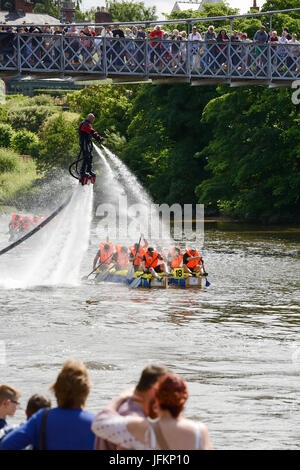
236,343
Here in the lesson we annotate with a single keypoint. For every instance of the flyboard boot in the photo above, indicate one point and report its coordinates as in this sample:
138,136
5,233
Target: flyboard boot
92,177
84,179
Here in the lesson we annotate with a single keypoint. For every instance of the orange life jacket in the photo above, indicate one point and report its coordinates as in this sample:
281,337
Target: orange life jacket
25,223
123,258
176,259
106,256
193,263
149,259
139,258
14,222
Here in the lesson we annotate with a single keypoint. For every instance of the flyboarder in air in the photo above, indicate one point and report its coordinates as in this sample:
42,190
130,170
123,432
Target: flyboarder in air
86,132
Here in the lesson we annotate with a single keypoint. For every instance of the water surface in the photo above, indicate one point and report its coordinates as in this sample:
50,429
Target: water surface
236,343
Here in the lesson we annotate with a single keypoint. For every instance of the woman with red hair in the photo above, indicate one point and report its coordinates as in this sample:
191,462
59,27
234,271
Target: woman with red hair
169,431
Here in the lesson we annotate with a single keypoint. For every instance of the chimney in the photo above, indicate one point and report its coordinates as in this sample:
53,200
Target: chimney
67,12
254,6
102,15
24,6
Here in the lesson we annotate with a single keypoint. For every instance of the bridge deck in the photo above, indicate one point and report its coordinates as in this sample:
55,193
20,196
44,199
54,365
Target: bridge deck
164,61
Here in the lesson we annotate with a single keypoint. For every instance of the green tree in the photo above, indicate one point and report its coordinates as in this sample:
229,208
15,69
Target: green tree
51,7
253,164
270,5
127,10
219,9
59,141
6,133
109,104
29,117
22,140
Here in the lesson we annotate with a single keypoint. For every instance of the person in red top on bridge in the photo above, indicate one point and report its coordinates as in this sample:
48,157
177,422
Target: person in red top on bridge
86,132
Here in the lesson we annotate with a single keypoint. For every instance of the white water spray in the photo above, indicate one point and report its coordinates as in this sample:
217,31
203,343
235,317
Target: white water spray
53,256
118,181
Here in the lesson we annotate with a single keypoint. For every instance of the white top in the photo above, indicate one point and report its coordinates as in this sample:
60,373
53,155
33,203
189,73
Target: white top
113,427
195,37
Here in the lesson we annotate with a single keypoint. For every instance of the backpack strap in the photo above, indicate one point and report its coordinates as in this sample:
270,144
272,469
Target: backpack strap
163,445
43,430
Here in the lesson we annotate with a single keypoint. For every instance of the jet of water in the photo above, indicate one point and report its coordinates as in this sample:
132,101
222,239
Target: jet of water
53,256
118,182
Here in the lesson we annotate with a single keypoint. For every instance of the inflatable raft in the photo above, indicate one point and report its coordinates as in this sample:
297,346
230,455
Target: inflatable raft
178,280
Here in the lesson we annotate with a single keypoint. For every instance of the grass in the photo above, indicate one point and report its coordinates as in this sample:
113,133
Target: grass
14,183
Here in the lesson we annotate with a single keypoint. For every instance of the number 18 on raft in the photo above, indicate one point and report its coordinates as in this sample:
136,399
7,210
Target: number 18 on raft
179,273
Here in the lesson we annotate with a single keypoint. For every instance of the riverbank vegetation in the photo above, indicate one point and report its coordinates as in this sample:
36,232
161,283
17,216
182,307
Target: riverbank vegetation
36,138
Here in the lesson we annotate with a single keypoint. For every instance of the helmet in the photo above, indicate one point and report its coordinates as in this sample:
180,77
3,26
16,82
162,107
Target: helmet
106,246
150,249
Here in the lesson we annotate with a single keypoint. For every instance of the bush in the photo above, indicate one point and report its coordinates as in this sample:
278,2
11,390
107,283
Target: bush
59,141
6,134
3,113
29,117
9,161
22,141
42,100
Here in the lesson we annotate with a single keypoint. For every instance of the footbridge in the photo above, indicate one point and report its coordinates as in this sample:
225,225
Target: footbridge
64,53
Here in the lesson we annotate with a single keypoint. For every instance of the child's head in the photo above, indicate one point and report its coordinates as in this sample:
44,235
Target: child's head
8,400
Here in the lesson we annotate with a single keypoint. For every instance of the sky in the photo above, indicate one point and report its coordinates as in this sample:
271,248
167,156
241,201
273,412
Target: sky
165,6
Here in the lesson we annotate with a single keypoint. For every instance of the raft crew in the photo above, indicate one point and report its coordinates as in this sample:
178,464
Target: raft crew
193,262
150,263
148,259
20,224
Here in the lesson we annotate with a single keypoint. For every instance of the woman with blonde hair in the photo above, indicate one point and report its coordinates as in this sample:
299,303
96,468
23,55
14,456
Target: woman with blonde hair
66,427
170,431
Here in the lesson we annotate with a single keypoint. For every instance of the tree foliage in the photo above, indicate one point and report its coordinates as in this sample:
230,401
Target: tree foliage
253,164
128,10
59,141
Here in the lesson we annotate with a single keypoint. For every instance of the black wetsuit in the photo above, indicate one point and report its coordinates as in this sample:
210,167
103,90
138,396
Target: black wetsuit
86,132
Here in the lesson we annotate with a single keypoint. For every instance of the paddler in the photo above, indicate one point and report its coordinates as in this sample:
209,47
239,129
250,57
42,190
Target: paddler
193,262
137,252
14,226
151,263
104,254
175,257
121,257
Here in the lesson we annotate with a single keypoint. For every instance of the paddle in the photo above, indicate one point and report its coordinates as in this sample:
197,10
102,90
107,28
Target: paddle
136,282
84,278
130,271
102,276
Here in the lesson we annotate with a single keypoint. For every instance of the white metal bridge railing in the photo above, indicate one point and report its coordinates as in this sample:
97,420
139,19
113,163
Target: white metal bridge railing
69,55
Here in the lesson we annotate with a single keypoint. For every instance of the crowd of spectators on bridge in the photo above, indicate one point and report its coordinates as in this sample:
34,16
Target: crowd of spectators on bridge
125,49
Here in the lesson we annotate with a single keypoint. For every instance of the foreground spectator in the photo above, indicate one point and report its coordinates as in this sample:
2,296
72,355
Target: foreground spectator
66,427
35,403
9,397
170,432
140,403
